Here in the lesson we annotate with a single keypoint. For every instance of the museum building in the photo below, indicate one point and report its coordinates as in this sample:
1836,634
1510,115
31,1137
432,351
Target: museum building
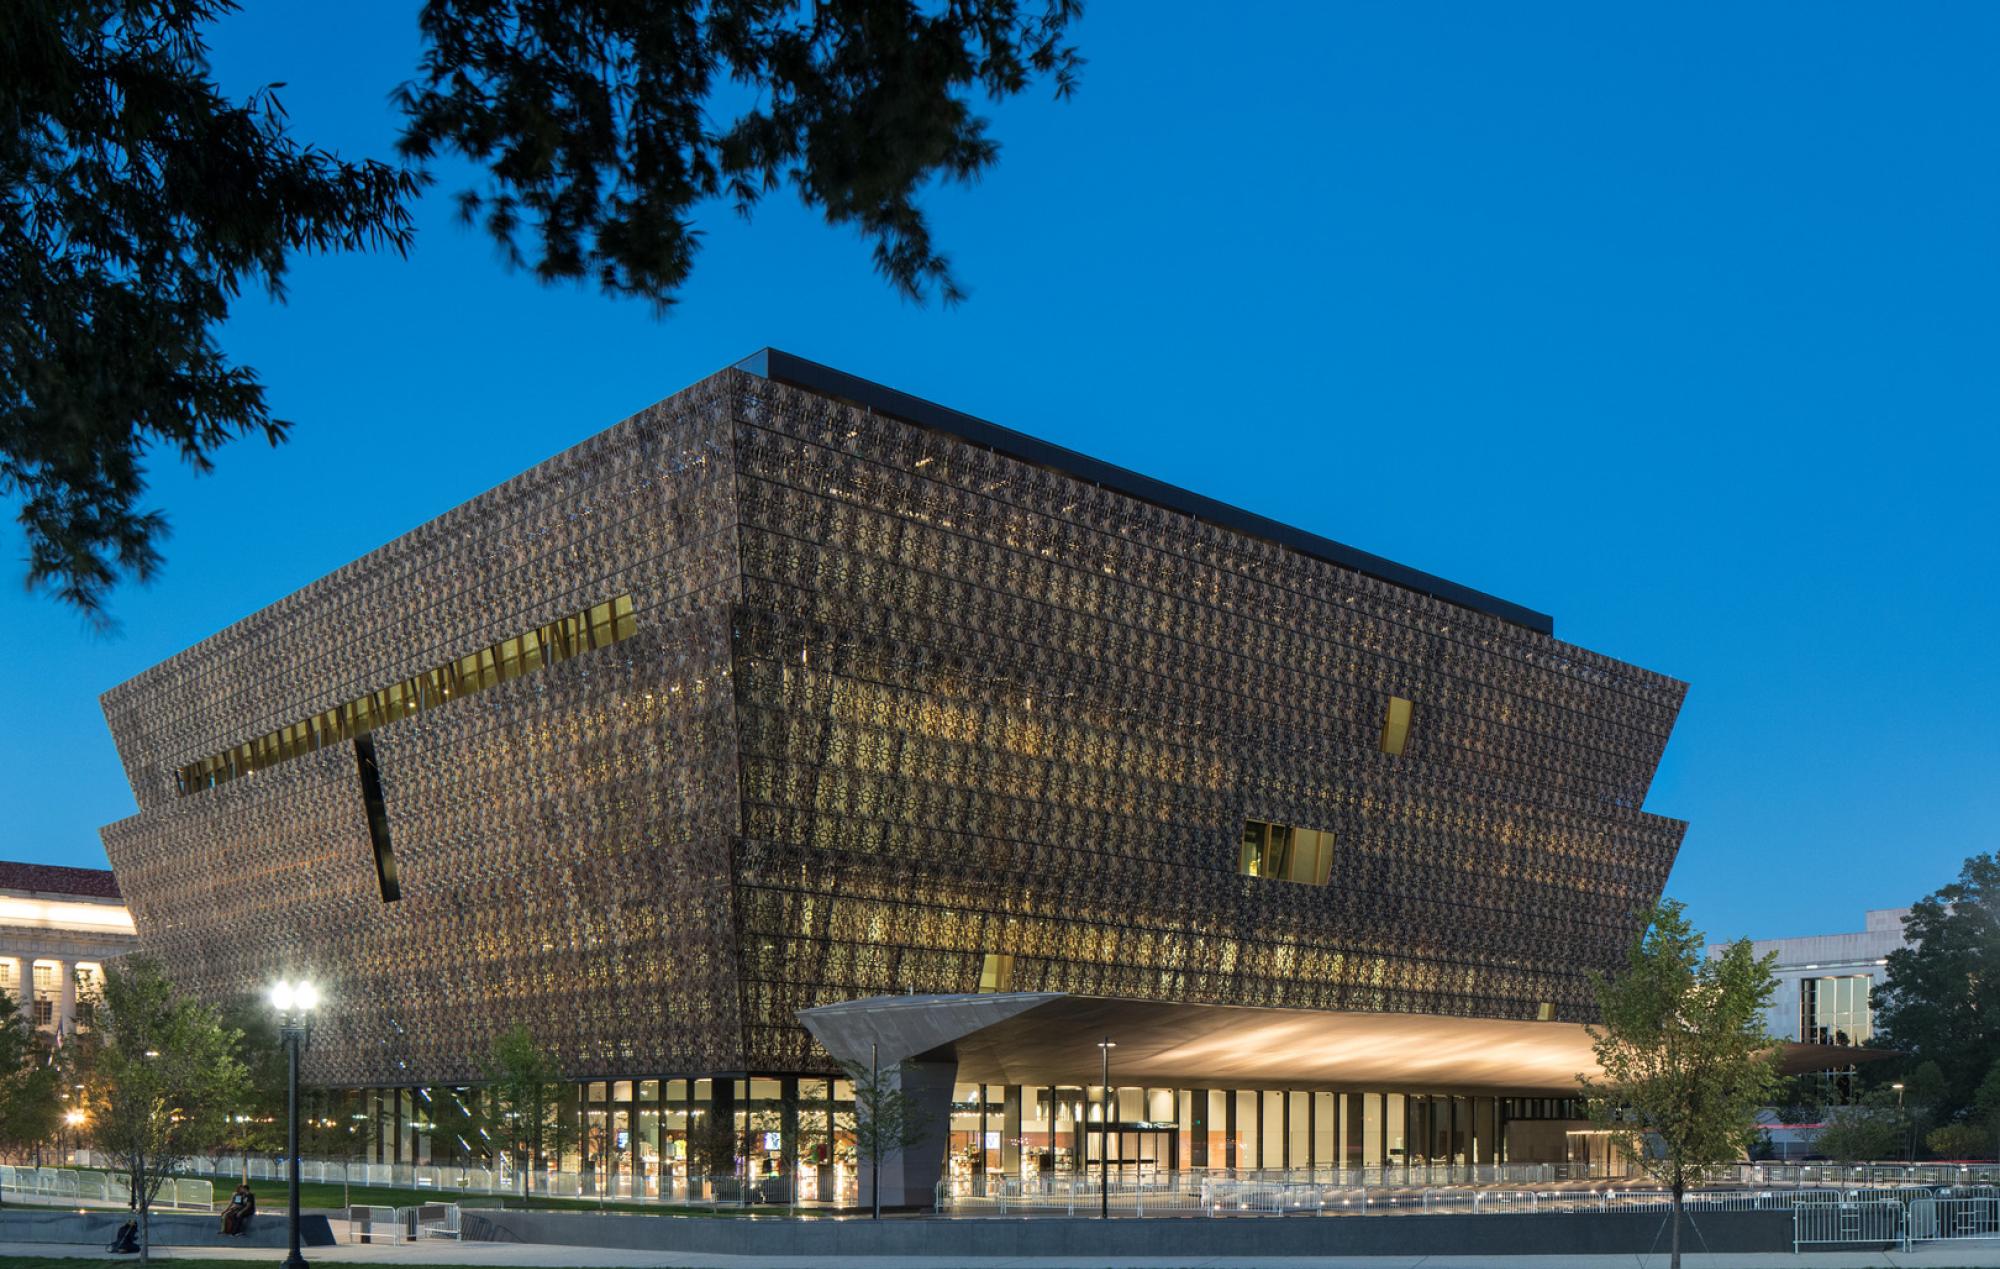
796,720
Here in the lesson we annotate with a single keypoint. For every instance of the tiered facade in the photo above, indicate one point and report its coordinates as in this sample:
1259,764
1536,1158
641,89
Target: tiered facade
894,704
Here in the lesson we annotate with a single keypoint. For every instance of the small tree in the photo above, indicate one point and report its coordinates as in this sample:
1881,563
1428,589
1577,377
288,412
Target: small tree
886,1121
526,1102
30,1085
712,1144
256,1123
162,1076
1960,1141
1986,1105
1926,1104
1686,1061
1869,1129
458,1124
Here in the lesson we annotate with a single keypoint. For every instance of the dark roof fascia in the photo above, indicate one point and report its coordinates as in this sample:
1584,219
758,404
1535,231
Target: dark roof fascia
783,367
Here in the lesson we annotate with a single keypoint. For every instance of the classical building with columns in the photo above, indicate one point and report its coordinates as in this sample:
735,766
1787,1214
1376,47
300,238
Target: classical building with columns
797,720
58,927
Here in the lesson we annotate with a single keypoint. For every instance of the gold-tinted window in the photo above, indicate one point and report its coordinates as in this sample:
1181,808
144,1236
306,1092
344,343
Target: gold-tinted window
594,627
1395,725
996,972
1285,852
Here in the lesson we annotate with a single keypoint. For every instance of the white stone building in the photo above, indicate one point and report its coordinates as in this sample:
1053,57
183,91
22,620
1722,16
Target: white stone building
58,927
1827,982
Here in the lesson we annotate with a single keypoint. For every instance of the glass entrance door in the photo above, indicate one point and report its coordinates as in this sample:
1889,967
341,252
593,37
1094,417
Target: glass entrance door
1134,1151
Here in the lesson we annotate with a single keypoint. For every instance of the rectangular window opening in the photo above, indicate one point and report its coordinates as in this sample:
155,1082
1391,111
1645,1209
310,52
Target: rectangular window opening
1285,852
996,972
595,627
1396,726
378,819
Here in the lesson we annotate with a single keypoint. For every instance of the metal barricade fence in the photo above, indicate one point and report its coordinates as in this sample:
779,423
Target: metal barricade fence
432,1220
1505,1201
1949,1219
369,1223
1876,1222
376,1223
111,1188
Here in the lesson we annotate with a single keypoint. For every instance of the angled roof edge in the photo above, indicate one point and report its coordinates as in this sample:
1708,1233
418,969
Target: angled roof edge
783,367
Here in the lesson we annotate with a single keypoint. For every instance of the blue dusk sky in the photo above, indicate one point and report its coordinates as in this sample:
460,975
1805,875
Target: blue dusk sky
1677,321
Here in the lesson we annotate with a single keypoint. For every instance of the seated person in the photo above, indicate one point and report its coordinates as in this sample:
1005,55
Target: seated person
242,1206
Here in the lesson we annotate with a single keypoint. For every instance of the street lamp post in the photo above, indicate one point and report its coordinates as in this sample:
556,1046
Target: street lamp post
1104,1048
294,1003
874,1128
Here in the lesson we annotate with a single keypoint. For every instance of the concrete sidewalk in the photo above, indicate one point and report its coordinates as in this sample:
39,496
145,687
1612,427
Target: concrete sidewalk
515,1255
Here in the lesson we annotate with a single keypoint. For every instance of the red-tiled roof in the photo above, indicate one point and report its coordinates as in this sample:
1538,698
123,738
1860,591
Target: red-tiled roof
58,879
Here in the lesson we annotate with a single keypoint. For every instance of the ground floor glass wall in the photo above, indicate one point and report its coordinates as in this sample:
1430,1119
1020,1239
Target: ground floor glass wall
645,1138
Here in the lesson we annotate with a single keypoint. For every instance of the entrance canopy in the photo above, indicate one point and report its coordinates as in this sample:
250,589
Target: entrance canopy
1052,1038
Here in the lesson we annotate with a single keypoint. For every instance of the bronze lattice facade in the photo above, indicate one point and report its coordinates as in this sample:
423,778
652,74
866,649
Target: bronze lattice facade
895,701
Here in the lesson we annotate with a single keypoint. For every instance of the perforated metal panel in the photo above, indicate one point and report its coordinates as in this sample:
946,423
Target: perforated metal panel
895,701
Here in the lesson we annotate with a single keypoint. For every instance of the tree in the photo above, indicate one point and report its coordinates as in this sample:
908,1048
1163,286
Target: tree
1924,1103
256,1124
525,1094
1870,1129
712,1144
1685,1058
1960,1141
1941,1000
162,1077
456,1121
136,201
30,1085
1986,1105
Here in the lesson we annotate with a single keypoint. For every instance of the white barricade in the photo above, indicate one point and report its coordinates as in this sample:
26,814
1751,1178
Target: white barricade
368,1223
1876,1222
431,1220
1951,1219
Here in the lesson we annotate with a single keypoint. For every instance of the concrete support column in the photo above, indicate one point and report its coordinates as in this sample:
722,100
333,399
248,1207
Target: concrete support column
788,1130
1197,1128
722,1109
910,1176
1010,1132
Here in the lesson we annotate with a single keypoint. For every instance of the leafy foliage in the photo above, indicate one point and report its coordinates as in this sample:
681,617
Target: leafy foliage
1866,1130
1941,1002
135,202
1960,1141
457,1124
525,1099
256,1123
593,119
712,1144
162,1077
1685,1057
30,1085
